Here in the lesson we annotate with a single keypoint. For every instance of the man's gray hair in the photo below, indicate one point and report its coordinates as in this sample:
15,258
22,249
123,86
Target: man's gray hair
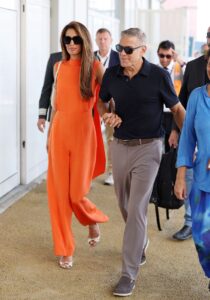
137,32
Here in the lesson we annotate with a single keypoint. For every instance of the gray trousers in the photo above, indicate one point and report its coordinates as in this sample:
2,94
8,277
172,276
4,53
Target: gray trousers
134,171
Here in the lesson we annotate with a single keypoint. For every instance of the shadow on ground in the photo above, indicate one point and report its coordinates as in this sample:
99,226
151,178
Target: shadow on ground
29,269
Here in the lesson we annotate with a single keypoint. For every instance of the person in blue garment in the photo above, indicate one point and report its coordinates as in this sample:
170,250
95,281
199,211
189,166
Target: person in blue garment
194,152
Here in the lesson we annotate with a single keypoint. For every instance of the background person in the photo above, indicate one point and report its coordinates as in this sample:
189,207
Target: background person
44,101
173,64
72,143
170,61
108,58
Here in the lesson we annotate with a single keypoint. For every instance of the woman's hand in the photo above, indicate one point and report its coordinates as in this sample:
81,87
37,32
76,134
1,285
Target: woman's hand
180,189
112,120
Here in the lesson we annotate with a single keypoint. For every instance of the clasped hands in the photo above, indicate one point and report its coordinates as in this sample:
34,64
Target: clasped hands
112,119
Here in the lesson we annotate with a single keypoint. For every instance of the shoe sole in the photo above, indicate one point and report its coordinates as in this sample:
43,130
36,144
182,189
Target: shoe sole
178,239
124,295
143,263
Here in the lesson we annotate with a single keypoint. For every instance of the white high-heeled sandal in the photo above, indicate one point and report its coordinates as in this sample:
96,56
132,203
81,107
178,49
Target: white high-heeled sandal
93,241
65,264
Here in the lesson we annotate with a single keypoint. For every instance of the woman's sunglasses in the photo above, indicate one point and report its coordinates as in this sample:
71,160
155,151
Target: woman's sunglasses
168,56
127,49
76,39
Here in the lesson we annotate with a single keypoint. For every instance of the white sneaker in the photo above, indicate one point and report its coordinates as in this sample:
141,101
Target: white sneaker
109,179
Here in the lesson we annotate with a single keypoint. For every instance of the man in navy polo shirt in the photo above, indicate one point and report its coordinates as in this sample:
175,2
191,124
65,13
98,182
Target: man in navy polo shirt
140,89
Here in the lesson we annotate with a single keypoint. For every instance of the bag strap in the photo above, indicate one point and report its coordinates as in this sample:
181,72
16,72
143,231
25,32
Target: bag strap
56,73
172,149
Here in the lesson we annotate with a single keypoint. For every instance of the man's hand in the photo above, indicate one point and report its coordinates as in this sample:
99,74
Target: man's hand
112,120
41,124
177,58
173,139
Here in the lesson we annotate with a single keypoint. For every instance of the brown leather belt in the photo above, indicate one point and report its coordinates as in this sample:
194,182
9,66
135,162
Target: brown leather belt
135,142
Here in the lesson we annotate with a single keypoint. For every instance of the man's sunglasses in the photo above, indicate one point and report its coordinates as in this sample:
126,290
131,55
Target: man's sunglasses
168,56
127,49
208,35
76,39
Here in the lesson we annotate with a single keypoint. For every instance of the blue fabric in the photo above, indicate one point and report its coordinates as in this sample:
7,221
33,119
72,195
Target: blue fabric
200,210
189,181
196,131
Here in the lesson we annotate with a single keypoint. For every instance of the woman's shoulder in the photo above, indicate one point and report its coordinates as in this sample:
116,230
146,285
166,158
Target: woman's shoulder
96,64
195,95
56,66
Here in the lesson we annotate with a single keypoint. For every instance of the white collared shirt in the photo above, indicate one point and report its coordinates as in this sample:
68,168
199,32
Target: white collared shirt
170,70
104,59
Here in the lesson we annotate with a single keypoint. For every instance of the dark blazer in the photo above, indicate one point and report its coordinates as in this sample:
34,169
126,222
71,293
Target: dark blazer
194,76
44,101
114,58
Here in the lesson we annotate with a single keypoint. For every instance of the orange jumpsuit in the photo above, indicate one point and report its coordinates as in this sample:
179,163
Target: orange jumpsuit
72,158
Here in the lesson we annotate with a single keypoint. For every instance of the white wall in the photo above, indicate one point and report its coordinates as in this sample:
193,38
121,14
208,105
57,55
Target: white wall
63,12
9,96
130,14
96,21
35,49
153,23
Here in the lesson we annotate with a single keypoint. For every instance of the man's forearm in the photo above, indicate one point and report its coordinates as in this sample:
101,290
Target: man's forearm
179,115
179,118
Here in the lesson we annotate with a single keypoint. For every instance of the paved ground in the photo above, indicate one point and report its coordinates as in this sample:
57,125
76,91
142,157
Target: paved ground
29,269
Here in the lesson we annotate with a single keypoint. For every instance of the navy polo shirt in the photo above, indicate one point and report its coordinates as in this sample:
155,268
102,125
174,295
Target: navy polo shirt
139,100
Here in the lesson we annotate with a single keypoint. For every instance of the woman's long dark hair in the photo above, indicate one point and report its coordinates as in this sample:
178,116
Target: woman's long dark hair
87,57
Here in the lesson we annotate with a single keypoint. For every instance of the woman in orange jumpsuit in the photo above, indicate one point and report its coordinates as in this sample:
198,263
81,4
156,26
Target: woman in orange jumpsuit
72,143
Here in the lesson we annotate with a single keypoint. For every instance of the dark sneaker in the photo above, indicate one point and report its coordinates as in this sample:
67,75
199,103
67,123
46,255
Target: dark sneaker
124,287
143,258
183,234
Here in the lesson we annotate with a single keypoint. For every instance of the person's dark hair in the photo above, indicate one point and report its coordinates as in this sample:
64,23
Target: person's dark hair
102,30
166,45
87,57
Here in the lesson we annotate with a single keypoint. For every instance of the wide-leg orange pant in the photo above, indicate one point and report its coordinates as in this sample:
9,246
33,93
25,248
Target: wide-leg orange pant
72,152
